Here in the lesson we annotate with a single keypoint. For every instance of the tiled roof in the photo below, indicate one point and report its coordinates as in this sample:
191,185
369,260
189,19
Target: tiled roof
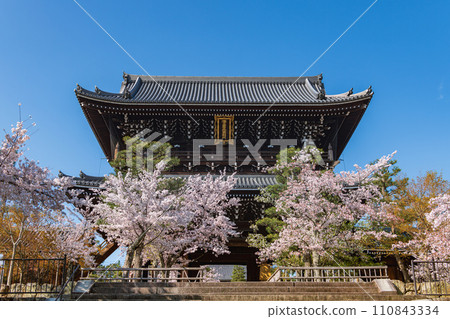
243,182
221,90
85,181
246,181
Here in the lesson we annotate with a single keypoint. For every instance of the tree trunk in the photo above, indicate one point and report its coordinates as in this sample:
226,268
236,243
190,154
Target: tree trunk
315,261
402,266
11,265
128,262
137,258
307,261
129,258
14,250
137,262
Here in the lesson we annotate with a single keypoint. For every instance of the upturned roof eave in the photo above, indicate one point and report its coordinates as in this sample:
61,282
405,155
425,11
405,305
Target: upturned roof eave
319,103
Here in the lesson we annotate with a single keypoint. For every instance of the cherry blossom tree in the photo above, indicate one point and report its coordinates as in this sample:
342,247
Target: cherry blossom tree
32,202
324,212
204,227
138,213
134,211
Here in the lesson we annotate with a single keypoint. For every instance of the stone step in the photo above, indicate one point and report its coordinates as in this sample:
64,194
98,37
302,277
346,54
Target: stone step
309,297
235,284
263,291
236,290
249,297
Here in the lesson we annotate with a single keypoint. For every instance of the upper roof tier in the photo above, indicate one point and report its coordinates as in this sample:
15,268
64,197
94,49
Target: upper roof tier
138,89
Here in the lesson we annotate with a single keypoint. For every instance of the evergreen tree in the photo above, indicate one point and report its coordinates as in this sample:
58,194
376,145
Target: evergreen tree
138,151
238,273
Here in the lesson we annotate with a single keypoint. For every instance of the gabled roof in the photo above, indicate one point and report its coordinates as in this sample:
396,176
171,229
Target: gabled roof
221,90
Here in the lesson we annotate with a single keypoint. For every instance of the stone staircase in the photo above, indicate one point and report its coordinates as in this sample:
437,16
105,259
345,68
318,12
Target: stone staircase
240,291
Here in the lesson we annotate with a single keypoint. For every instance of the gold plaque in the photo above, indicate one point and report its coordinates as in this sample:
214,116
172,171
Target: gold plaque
224,129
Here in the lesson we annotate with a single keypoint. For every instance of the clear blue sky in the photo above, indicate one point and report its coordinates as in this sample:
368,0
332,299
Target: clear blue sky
401,48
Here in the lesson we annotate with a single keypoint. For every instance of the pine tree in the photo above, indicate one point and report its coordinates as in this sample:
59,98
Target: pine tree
238,273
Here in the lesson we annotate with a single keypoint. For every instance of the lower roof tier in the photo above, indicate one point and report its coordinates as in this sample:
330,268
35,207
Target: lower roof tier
243,182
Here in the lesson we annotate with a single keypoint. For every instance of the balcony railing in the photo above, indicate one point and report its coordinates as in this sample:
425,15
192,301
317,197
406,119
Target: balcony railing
270,157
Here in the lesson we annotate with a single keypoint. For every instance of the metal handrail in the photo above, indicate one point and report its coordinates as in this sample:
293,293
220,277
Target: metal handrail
65,284
31,259
40,276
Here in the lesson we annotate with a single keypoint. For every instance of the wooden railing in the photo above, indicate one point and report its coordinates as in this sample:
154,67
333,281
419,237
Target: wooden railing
329,274
180,274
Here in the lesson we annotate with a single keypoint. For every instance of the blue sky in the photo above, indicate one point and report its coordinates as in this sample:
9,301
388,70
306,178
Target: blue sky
401,48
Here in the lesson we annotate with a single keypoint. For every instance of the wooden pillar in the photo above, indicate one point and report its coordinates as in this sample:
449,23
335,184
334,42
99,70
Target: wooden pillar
252,270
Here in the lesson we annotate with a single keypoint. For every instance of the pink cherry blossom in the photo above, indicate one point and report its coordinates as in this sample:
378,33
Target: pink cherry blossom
161,226
41,200
324,211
